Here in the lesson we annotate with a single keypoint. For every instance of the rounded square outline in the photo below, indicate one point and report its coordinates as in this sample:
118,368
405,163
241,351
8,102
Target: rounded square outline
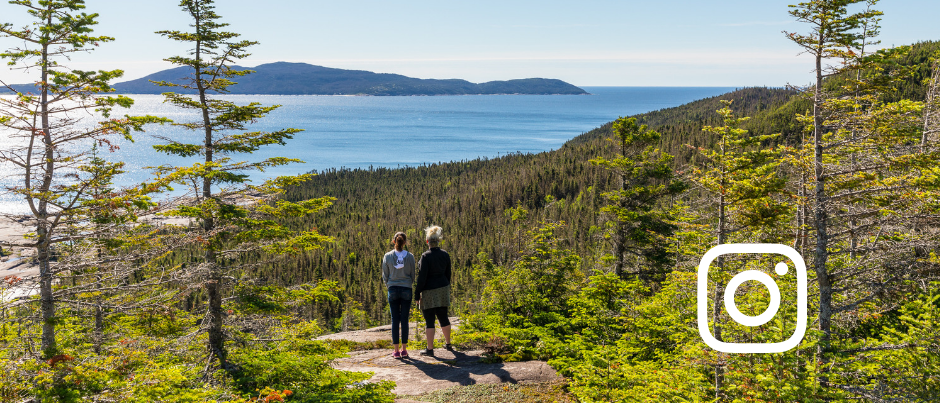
801,302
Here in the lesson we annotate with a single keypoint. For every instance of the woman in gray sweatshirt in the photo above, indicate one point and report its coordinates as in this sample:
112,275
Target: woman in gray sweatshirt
398,273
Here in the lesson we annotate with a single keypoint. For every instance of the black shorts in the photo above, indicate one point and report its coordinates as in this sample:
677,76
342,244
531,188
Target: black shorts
440,312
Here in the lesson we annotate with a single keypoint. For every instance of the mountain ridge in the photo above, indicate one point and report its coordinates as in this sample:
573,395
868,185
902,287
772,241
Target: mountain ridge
285,78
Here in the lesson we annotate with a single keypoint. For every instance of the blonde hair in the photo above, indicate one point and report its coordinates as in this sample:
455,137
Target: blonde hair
434,235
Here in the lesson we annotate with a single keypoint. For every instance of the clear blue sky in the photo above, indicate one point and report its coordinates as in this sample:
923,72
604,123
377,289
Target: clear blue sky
586,42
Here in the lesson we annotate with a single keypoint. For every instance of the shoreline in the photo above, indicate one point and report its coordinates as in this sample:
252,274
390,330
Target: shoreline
18,273
16,267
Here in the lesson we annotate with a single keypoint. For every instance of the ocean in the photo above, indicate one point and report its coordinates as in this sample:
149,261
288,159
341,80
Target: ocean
364,131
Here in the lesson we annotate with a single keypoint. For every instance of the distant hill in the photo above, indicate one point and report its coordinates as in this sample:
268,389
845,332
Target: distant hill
284,78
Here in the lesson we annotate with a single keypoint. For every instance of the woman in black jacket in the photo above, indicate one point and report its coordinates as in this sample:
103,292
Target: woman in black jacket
432,288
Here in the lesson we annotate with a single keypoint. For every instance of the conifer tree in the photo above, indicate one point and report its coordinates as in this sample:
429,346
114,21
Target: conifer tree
740,182
234,217
872,176
50,134
932,107
115,267
832,36
646,180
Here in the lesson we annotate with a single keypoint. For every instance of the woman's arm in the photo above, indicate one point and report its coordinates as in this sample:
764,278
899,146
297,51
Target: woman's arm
410,266
422,279
385,271
447,271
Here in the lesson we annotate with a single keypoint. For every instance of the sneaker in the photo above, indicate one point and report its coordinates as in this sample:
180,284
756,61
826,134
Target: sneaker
404,353
396,355
449,347
428,352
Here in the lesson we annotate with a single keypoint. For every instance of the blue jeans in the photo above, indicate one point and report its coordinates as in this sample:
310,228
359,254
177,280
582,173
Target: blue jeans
399,299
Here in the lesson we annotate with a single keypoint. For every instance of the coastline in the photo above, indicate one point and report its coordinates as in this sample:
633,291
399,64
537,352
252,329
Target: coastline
18,272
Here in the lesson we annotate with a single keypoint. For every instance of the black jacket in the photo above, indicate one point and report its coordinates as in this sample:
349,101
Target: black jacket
433,271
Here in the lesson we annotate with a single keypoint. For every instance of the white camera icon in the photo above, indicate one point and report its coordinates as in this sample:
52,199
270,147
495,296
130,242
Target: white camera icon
781,269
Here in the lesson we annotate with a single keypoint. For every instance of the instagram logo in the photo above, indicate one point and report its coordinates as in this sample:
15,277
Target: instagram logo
781,268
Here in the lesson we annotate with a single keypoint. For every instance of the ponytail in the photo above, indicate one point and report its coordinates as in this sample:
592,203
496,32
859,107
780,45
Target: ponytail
399,240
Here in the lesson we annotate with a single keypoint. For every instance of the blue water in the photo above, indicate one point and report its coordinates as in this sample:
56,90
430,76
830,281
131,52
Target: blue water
362,132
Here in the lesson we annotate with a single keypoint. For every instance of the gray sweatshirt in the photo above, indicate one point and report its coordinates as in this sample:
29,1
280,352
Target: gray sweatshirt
403,277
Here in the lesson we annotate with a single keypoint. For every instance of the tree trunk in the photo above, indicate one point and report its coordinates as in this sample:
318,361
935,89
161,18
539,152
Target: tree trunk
621,228
719,369
930,108
717,298
621,250
213,284
214,289
822,236
719,284
799,243
43,232
99,328
47,303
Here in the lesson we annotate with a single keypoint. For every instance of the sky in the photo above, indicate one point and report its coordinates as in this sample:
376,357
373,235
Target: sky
728,43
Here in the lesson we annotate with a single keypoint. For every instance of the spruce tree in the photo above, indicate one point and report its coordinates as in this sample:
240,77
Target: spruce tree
873,181
645,181
51,131
832,35
932,106
741,184
234,216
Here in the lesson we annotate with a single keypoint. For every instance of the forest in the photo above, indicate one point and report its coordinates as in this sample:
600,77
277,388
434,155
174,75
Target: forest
586,257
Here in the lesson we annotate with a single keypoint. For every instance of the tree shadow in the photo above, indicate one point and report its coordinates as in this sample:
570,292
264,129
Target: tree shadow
461,369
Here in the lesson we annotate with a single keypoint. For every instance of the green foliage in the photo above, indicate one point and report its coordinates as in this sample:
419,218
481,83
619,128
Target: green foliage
243,218
918,63
834,31
126,375
743,175
912,371
639,352
353,317
639,224
274,300
49,133
680,126
524,305
607,378
301,365
616,340
152,361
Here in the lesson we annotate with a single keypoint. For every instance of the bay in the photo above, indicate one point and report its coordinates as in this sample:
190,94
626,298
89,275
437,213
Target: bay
363,131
